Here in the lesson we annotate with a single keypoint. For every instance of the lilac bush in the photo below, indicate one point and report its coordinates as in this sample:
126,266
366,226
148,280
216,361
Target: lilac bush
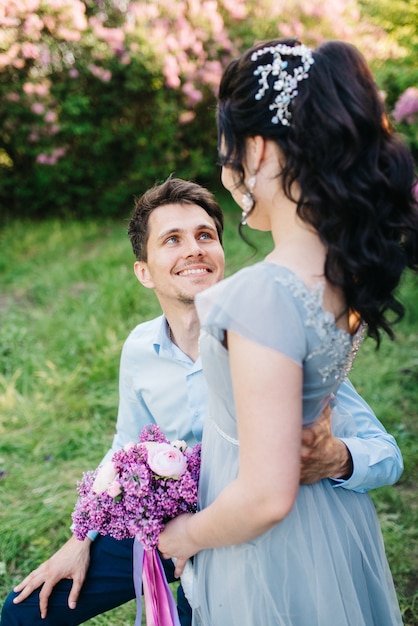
406,108
101,98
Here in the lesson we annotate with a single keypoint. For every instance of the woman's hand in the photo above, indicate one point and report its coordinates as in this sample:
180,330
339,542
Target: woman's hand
175,542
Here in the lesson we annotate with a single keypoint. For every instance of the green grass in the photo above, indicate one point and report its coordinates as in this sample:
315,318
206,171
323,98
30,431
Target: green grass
68,298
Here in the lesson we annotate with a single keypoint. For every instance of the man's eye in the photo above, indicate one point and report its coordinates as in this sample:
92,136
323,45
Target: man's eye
172,239
205,236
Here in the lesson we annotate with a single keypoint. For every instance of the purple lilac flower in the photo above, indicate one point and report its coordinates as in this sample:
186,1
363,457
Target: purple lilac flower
146,502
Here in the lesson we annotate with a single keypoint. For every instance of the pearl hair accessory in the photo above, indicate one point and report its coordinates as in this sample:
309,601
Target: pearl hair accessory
285,82
248,199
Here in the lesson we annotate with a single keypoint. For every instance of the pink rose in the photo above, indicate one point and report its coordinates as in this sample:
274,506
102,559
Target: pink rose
114,489
166,460
105,476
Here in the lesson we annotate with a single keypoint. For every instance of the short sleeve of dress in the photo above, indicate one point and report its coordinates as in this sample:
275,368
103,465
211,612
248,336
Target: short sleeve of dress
259,304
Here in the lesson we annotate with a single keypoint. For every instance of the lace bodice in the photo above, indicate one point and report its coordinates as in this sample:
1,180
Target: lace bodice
272,306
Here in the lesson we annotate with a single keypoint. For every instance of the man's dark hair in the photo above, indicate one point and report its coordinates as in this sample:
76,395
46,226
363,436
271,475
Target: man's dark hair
172,191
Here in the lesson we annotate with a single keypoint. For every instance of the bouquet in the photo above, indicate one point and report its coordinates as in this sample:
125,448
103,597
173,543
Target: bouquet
135,494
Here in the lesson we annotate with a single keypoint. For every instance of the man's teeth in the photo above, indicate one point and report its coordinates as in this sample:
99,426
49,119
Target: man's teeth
196,271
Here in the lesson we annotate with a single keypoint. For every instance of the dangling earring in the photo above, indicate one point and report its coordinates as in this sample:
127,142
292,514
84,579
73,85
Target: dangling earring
248,199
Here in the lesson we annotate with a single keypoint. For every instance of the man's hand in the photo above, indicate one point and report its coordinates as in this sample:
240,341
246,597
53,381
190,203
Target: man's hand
322,454
70,561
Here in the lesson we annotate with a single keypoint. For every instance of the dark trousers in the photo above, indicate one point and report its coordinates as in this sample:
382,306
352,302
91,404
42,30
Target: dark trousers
108,584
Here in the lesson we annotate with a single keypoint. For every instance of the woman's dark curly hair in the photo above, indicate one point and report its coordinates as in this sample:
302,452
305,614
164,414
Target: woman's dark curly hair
355,175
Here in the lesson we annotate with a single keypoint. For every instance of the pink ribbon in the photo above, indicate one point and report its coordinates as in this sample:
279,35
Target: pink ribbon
160,608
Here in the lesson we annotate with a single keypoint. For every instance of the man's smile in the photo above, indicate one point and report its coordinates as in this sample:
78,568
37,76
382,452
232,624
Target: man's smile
190,271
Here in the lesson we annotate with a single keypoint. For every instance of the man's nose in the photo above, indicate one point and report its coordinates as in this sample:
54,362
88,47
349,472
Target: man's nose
193,247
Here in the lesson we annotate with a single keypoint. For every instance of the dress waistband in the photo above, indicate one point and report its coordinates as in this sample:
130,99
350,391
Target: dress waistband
235,442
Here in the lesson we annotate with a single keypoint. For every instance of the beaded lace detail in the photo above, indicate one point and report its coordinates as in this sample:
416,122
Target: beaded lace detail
338,346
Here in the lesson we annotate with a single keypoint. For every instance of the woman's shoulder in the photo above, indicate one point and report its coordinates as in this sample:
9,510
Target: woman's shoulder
262,280
263,270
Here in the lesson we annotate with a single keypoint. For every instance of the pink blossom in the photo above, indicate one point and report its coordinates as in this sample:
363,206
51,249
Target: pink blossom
50,117
58,153
45,57
33,26
115,37
52,130
106,475
406,107
124,58
38,108
212,13
67,34
186,117
13,51
30,6
193,94
18,63
42,89
73,73
186,36
99,72
71,17
51,159
211,72
236,9
171,71
29,50
50,22
4,60
9,22
171,42
42,158
29,88
12,97
114,489
148,11
78,11
106,76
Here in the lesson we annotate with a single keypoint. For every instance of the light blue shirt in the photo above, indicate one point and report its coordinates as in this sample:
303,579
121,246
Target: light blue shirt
377,459
159,384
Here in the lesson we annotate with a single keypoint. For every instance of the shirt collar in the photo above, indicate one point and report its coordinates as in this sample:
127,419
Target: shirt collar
163,346
162,340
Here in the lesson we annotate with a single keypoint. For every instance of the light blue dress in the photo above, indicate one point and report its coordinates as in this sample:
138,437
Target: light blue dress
325,563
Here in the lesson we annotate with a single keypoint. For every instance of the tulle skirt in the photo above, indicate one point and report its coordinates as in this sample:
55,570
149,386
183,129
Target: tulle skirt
323,565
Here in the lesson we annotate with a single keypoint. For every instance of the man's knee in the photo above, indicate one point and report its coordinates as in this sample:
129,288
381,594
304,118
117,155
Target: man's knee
10,612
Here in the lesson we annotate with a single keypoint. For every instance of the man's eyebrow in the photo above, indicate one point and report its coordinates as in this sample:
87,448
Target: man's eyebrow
179,230
206,227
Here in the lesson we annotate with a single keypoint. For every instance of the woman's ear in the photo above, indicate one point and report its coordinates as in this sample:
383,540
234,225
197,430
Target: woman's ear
143,274
254,153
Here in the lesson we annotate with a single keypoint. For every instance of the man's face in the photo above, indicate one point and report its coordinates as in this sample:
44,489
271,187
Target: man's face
185,255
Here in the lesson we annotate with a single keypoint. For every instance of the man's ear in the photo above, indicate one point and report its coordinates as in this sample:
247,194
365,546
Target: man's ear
143,274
